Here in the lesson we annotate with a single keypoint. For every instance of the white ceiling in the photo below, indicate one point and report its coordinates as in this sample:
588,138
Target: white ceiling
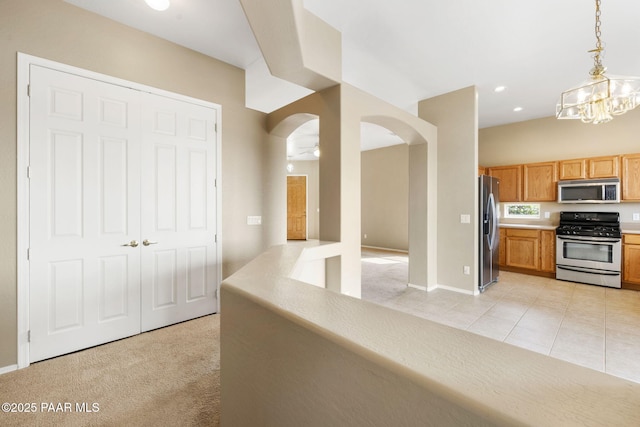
406,50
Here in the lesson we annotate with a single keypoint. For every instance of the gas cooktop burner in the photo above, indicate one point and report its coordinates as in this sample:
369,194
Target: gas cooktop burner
595,224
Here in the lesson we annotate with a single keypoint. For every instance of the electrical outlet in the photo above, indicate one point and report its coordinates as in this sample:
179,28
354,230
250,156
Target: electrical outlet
466,270
365,235
465,219
636,216
547,215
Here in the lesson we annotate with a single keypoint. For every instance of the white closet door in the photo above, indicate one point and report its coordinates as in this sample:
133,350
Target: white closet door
84,206
178,195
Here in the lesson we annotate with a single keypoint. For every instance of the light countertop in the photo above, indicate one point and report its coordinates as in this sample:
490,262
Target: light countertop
626,227
543,226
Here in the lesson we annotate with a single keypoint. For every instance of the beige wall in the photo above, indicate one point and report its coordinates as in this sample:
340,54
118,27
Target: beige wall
456,116
61,32
385,197
552,139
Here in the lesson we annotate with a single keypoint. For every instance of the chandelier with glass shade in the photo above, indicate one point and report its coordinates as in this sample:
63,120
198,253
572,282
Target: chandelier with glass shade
601,97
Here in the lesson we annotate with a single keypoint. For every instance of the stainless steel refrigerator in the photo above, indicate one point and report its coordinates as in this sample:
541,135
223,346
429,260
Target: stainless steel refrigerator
489,234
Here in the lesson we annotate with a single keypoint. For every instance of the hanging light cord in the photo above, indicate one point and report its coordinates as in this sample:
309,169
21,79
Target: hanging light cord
598,69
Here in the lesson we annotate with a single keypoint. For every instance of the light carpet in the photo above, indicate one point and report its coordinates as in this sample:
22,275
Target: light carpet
166,377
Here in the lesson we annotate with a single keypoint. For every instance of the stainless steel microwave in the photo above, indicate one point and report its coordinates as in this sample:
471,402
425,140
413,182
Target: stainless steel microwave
606,190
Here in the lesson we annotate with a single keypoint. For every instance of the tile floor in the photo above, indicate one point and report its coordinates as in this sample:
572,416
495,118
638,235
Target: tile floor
587,325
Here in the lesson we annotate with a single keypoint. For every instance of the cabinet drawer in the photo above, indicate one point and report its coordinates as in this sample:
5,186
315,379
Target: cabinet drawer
519,232
631,239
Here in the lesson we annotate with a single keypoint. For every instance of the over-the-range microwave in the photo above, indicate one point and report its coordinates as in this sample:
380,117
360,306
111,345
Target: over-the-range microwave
606,190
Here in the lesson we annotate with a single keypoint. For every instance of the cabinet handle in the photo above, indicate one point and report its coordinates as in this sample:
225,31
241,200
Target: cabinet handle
147,242
133,244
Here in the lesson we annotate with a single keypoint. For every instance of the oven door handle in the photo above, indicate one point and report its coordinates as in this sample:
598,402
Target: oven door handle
589,240
580,270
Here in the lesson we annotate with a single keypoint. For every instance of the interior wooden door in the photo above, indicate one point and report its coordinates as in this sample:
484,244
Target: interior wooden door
296,207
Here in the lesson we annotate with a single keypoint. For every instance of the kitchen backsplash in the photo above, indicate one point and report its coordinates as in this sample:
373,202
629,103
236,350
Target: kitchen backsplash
626,212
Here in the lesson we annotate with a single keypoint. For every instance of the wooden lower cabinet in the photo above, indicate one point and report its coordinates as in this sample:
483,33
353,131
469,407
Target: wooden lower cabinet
528,250
523,248
502,249
548,250
631,258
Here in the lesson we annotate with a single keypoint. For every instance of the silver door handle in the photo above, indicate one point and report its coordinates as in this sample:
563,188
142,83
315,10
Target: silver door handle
147,242
133,244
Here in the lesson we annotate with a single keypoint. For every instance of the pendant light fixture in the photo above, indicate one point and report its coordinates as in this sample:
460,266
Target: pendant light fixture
158,4
601,97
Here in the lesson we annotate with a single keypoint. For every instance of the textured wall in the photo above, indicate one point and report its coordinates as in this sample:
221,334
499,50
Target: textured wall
456,116
294,354
385,197
552,139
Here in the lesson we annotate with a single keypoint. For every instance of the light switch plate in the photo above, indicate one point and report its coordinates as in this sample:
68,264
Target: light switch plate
254,220
465,219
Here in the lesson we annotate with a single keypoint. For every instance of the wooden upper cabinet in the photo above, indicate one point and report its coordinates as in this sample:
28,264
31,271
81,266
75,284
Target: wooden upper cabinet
573,169
604,167
481,170
630,177
510,182
540,182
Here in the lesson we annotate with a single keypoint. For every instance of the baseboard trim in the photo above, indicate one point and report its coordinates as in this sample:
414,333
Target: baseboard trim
402,251
422,288
7,369
453,289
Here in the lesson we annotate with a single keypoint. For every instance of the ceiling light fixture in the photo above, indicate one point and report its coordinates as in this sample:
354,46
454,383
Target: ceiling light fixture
517,109
499,89
158,4
600,98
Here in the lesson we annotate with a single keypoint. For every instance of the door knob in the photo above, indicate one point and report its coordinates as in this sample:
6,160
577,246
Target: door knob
147,242
133,243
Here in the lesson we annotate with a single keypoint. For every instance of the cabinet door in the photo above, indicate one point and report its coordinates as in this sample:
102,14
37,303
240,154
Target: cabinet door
548,250
573,169
631,177
631,268
604,167
523,249
510,182
631,258
540,181
502,248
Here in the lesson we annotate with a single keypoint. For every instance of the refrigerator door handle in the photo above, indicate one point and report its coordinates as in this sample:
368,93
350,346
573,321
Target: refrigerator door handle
491,208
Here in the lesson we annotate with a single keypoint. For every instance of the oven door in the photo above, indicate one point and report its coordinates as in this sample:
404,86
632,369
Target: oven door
591,260
599,253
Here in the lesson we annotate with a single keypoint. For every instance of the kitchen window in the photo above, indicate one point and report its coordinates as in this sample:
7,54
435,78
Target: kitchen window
522,210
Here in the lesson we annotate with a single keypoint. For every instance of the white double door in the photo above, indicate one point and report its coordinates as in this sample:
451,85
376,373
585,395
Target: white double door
122,212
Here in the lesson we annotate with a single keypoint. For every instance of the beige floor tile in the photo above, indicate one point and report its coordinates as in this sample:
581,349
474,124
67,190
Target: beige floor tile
492,327
586,325
508,310
542,338
581,348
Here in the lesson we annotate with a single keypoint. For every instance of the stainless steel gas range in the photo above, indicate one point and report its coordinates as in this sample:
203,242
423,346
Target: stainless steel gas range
589,248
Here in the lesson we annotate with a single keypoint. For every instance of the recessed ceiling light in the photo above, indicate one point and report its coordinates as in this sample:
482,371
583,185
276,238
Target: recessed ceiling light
517,109
499,89
158,4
